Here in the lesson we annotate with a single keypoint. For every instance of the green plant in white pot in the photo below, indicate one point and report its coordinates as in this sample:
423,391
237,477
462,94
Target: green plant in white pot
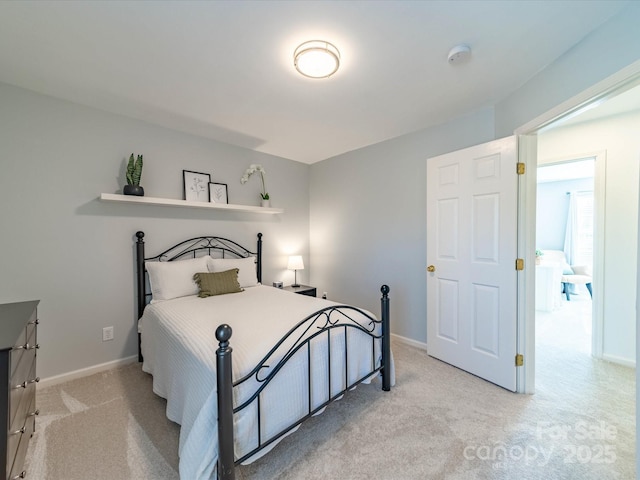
255,168
134,172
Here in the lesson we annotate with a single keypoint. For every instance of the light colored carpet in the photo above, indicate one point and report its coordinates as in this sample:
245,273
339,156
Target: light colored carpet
437,423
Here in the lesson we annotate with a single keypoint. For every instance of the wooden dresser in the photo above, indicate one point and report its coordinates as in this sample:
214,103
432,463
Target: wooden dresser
18,346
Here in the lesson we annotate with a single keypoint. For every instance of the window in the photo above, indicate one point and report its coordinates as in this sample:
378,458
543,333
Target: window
584,227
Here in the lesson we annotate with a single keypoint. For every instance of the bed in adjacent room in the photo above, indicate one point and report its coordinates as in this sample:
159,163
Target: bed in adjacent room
201,304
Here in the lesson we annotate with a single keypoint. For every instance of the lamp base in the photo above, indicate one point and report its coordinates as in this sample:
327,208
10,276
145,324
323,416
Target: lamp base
295,283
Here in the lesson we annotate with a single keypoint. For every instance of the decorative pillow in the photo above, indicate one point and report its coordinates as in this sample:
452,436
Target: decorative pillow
175,279
247,269
219,283
567,270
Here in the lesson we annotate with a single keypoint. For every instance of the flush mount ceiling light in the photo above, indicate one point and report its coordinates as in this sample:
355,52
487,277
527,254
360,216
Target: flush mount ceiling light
316,59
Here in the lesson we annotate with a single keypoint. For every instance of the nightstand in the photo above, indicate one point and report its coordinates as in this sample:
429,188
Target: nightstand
302,290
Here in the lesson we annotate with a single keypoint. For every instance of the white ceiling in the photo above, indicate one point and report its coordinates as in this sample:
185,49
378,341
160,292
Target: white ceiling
224,69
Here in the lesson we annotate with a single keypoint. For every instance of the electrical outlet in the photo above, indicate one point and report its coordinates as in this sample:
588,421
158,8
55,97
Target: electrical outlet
324,295
107,334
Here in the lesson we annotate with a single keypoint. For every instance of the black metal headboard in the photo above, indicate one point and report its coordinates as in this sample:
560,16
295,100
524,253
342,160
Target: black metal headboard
188,248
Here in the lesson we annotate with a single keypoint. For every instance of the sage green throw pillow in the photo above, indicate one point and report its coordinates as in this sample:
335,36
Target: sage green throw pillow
219,283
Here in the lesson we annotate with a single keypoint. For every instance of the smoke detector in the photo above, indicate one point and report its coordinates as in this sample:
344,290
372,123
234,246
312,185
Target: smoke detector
459,54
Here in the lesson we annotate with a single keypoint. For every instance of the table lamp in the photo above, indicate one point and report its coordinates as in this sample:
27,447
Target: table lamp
295,264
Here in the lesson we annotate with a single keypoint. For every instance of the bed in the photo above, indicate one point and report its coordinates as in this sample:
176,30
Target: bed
292,354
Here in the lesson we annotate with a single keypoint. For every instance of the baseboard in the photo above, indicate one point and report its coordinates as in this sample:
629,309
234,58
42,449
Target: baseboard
409,341
619,360
85,372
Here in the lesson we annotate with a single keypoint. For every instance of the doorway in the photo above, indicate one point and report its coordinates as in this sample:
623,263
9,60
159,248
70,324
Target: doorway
546,138
565,252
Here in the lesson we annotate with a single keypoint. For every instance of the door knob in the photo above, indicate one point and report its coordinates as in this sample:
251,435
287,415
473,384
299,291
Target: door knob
431,269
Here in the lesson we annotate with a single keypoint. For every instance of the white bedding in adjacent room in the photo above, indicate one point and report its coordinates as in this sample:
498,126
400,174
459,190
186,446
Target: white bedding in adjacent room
178,345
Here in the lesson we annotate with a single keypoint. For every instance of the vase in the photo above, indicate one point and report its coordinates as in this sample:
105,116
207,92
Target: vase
266,203
136,190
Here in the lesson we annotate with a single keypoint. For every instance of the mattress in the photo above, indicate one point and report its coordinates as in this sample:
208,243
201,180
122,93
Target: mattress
179,344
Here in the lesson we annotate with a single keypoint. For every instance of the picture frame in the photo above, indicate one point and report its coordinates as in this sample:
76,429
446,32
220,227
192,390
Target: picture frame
196,186
218,193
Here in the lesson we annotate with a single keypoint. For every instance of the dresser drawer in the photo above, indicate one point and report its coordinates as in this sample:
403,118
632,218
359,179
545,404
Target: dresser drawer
23,380
21,397
26,341
14,437
32,331
17,470
16,353
21,414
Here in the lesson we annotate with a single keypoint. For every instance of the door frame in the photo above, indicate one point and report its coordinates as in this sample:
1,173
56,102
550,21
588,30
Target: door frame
613,85
597,309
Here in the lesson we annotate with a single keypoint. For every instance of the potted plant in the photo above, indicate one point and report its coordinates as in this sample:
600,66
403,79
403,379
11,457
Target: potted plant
538,255
134,172
250,171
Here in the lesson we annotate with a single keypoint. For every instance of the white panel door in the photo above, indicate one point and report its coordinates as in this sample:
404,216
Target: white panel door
471,250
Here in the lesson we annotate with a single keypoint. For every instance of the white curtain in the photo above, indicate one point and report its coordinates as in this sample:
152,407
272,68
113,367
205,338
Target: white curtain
571,232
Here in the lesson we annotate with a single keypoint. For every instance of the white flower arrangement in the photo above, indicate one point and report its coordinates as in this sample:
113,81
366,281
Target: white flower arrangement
253,168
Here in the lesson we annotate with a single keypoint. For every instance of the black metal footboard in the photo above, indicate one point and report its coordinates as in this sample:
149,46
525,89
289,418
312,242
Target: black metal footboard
340,318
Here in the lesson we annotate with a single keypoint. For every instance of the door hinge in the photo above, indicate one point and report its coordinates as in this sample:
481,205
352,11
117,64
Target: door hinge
519,264
519,360
520,168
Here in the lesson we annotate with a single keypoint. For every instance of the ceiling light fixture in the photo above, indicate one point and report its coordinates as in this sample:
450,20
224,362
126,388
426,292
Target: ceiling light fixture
316,59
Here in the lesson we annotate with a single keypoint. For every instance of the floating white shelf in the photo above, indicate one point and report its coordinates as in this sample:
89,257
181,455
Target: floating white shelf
169,202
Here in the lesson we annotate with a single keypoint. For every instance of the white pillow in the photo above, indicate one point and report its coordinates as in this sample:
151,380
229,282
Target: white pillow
175,279
247,269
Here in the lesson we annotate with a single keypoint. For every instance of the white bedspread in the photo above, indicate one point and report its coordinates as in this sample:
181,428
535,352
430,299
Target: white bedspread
179,344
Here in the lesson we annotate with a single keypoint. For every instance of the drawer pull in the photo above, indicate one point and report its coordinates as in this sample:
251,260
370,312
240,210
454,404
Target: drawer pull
26,346
33,414
21,431
22,474
28,382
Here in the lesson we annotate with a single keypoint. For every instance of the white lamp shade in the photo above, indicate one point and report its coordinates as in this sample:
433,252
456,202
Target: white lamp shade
295,263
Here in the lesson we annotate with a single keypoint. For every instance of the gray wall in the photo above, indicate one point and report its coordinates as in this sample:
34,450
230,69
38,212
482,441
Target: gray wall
75,253
368,227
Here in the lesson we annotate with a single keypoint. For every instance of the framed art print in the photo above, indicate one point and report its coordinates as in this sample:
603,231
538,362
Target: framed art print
218,193
196,186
